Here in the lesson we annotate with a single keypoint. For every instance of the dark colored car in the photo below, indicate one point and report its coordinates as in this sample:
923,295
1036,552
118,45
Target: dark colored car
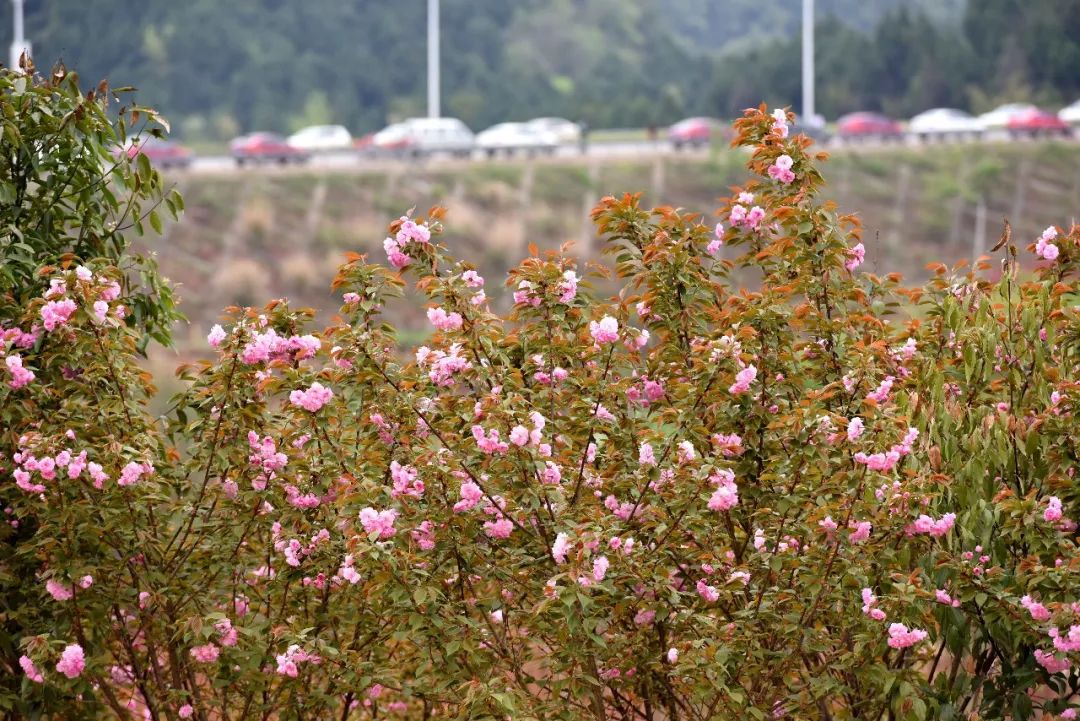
857,126
1037,122
162,153
265,148
693,132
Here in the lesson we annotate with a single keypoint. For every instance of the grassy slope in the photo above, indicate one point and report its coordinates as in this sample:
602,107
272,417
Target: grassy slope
246,238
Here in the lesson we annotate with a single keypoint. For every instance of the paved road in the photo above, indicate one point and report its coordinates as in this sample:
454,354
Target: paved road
350,161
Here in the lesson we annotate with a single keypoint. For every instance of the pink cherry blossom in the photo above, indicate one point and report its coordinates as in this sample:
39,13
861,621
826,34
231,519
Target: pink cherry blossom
560,547
856,256
901,637
378,522
604,331
31,670
311,399
743,379
71,662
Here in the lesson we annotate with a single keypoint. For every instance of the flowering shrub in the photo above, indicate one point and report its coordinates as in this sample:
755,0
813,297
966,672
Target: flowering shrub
830,497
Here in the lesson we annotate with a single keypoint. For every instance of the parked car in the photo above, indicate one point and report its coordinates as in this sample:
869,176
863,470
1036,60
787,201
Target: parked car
693,132
1037,122
162,153
510,138
265,148
998,118
945,123
565,131
865,125
419,137
1071,113
320,138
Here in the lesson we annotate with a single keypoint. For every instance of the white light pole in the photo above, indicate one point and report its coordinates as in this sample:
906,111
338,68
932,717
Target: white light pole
808,61
433,58
19,43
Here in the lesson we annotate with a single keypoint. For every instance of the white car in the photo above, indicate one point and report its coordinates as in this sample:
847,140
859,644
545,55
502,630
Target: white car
426,136
1071,114
943,122
565,131
512,137
998,118
321,137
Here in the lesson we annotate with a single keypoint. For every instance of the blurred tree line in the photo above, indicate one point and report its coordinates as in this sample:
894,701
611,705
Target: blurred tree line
221,68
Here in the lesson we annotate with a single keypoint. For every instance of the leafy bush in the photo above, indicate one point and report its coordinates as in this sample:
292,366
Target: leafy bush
829,497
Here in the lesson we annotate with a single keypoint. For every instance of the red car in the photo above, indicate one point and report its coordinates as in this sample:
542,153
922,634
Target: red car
868,125
162,153
1037,122
265,148
693,132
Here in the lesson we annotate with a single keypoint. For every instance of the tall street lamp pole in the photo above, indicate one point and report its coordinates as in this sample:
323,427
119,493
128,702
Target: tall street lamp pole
19,44
808,60
433,59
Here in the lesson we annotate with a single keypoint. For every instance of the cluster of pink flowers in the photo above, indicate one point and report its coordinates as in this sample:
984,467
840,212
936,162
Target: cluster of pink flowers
568,287
884,462
72,662
1038,611
709,593
1051,662
444,365
268,346
901,637
855,428
380,522
560,548
780,124
856,256
56,313
311,399
444,321
743,379
20,376
62,592
405,481
288,662
604,331
728,445
216,336
869,605
32,672
942,596
1068,643
646,456
718,240
1044,248
740,217
424,535
726,495
48,467
936,528
409,231
293,549
1052,513
471,494
881,394
861,531
133,472
489,442
265,456
781,170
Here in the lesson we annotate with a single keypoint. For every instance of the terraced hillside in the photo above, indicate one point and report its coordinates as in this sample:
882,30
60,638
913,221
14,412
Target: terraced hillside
253,236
